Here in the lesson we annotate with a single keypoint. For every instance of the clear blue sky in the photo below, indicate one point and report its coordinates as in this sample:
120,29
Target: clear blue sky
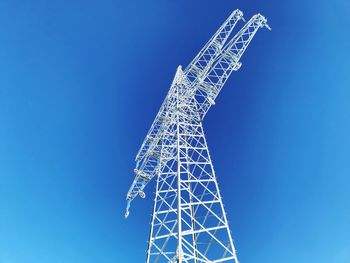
81,81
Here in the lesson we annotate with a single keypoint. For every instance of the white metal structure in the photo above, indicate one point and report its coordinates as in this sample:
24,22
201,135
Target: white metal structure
189,223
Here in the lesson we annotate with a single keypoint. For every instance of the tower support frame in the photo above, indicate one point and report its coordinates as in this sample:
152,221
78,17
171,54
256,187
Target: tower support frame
189,222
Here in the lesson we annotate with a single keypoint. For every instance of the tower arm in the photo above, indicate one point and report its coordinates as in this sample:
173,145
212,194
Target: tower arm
159,124
148,162
212,49
208,88
199,65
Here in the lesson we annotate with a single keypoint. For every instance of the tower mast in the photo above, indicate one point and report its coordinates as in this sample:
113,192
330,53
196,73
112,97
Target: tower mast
189,223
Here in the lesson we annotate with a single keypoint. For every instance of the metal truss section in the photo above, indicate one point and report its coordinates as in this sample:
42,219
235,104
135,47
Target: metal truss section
189,223
204,59
201,62
209,86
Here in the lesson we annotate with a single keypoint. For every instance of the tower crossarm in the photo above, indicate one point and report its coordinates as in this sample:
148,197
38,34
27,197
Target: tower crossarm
148,160
159,124
213,48
154,134
197,68
208,88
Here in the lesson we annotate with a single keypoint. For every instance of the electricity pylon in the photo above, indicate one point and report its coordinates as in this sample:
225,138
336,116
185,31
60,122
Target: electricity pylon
189,223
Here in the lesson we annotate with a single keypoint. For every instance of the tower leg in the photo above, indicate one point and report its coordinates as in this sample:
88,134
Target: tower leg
205,234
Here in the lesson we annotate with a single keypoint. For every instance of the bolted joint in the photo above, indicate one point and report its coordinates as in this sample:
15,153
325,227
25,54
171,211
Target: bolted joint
261,21
142,175
211,100
142,194
238,14
236,66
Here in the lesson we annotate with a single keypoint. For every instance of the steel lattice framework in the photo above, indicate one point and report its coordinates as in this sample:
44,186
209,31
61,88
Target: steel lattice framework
189,223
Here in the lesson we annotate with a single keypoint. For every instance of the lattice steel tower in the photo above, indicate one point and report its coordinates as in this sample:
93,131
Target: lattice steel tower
189,223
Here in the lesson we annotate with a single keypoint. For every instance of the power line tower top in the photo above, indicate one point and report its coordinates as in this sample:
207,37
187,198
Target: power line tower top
189,223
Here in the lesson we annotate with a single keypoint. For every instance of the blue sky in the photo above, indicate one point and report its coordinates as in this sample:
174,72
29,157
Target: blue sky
81,81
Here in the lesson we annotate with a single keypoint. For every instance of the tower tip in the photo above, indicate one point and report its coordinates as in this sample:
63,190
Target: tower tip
127,212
